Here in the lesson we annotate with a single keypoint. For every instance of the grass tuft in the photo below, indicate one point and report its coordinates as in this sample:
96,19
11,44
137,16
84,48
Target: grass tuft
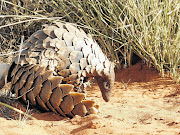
149,29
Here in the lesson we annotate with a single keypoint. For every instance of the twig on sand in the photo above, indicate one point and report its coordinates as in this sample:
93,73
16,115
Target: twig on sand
126,85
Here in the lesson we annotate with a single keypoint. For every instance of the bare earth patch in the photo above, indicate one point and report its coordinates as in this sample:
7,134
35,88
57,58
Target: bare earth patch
142,102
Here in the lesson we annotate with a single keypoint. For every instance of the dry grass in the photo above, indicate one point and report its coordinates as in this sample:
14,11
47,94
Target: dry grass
7,109
150,29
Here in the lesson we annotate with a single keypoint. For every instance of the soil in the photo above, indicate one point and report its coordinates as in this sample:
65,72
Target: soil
142,102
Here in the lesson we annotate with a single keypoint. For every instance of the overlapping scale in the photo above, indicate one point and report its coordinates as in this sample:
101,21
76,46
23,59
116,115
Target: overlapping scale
56,97
40,34
49,30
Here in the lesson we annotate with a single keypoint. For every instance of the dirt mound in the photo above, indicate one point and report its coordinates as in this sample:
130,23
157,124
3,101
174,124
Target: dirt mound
137,73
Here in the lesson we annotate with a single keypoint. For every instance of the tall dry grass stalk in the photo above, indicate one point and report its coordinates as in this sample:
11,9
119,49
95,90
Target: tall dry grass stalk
148,28
156,33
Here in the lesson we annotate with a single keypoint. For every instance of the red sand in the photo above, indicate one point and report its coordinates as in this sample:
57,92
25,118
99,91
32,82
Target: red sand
142,102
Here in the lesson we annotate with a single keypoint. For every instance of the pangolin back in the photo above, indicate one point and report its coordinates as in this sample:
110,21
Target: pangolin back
55,61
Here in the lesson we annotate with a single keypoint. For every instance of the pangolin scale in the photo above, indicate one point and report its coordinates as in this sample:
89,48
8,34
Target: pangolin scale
53,67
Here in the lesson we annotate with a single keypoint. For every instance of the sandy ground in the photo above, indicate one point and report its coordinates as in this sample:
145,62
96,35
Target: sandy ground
142,103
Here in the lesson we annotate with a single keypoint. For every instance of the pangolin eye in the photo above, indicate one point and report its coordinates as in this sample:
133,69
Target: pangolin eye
106,85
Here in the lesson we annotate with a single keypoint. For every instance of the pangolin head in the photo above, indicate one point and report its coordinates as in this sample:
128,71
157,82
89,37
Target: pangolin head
106,83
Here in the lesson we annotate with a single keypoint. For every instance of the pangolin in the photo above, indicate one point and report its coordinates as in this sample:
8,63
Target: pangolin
56,61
